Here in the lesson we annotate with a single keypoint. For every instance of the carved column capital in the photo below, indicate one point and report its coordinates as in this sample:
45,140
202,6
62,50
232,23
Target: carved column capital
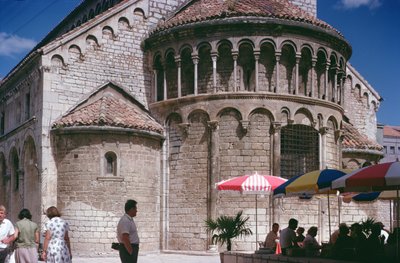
276,126
213,125
245,124
323,130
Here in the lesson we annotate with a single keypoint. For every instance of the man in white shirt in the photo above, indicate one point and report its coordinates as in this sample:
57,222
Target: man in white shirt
6,235
127,234
288,236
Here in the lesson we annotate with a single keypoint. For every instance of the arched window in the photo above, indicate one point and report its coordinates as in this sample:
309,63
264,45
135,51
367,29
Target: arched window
299,150
110,164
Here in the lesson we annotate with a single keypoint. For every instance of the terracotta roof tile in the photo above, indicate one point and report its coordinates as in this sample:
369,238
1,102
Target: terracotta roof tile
353,139
393,131
199,10
110,111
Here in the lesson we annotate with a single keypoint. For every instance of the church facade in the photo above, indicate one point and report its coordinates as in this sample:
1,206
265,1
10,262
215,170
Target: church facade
159,100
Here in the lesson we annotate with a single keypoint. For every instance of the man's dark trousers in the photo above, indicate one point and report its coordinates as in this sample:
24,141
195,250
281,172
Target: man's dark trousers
126,257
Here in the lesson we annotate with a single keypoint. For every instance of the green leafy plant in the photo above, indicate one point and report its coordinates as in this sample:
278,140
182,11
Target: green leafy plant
226,228
366,225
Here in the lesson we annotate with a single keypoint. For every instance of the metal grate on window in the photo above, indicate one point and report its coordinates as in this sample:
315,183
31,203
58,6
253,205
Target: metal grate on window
299,150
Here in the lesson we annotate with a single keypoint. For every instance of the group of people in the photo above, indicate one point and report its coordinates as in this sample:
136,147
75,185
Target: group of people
289,238
20,242
346,243
350,243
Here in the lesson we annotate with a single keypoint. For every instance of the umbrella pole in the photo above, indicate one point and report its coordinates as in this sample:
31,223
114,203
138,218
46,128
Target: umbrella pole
338,203
397,224
329,216
256,224
390,215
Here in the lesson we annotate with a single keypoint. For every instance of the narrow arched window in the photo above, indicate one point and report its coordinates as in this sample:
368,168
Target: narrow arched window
111,163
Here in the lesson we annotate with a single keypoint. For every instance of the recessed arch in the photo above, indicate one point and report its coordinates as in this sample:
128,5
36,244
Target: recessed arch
224,42
267,41
288,43
185,47
57,61
92,41
303,116
139,12
123,23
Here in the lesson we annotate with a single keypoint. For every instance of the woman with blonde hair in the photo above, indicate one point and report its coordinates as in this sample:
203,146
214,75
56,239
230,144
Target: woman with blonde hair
56,247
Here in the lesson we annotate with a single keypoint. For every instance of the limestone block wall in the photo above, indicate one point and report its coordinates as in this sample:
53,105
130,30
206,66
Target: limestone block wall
92,201
188,183
361,103
19,138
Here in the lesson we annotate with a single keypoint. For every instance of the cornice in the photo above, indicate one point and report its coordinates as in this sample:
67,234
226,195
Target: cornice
106,129
245,96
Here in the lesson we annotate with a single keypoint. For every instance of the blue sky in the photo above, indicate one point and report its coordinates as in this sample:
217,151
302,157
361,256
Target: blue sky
371,26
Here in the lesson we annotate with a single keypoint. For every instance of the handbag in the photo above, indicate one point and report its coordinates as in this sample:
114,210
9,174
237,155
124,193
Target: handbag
115,245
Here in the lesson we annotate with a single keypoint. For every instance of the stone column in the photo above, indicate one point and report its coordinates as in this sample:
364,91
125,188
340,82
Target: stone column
195,59
326,80
296,78
278,58
256,57
343,81
313,63
178,63
155,72
214,167
235,55
339,138
276,150
165,81
334,86
214,56
323,147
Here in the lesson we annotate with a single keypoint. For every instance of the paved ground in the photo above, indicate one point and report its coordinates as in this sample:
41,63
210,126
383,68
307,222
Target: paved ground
156,258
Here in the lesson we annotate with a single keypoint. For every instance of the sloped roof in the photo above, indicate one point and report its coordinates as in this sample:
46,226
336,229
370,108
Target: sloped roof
199,10
393,131
353,139
109,109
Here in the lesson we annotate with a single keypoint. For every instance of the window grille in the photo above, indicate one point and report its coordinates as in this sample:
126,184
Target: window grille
299,150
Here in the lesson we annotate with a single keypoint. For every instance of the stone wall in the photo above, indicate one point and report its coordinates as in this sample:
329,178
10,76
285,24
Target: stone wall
361,103
92,202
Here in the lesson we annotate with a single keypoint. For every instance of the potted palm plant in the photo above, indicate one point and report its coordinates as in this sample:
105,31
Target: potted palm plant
225,228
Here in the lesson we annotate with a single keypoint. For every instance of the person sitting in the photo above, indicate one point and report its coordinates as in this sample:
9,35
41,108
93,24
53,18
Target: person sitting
360,241
272,238
343,248
392,246
375,243
335,234
288,236
300,236
311,244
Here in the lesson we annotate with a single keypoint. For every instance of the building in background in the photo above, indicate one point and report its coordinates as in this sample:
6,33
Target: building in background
158,100
389,137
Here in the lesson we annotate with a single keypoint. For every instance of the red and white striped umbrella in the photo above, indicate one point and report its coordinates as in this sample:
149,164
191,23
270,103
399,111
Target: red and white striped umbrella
251,184
255,183
378,177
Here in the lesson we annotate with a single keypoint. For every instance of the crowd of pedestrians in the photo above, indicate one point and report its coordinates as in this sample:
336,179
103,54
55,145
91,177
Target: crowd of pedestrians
19,243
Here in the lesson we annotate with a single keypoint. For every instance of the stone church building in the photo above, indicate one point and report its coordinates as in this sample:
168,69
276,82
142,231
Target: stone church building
158,100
